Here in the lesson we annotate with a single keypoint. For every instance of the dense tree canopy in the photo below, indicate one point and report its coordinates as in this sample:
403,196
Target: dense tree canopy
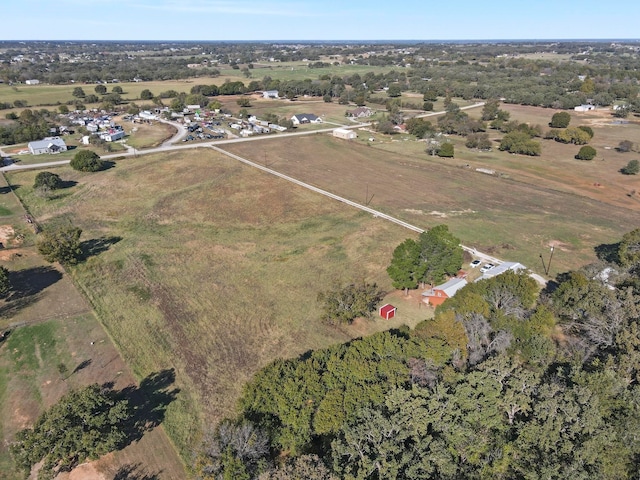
47,179
84,424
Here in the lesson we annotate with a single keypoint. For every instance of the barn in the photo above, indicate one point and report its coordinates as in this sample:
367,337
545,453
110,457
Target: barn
387,311
344,133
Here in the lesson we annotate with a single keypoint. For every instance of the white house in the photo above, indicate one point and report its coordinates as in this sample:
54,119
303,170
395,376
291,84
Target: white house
305,118
33,81
270,94
47,145
584,108
344,133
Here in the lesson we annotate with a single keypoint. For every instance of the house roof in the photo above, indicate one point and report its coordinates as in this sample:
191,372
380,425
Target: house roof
503,267
359,111
449,288
309,116
47,142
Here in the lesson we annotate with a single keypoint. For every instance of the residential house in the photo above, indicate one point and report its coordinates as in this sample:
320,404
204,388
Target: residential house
360,112
47,145
305,118
112,135
437,295
32,81
270,94
584,108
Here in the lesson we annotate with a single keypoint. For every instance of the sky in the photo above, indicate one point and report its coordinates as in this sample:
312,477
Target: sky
219,20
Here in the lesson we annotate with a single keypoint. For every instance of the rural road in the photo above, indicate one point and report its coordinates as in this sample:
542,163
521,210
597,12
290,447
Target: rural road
167,146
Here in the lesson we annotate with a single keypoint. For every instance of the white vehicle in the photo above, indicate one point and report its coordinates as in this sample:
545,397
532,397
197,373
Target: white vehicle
475,263
487,267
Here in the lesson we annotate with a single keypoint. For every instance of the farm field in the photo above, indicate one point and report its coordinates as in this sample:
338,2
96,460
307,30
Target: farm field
213,268
52,325
515,216
45,95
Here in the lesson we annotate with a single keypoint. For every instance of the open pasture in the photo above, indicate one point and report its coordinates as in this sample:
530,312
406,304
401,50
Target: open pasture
515,216
213,269
51,325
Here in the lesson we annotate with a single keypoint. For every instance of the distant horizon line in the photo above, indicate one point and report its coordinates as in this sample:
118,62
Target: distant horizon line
370,41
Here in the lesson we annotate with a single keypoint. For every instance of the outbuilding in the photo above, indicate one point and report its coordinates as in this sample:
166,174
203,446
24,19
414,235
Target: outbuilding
344,133
387,311
437,295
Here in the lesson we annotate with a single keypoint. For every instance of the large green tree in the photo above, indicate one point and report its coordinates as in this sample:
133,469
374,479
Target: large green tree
5,282
61,245
405,269
440,254
87,161
84,424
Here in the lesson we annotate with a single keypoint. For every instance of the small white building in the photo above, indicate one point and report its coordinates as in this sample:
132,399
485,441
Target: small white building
584,108
344,133
32,81
270,94
47,145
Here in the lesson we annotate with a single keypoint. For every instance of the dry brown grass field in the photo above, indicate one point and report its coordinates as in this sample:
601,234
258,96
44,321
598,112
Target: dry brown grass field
532,203
213,269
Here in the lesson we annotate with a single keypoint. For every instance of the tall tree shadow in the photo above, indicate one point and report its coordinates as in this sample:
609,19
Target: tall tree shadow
148,403
8,189
95,246
32,281
27,288
135,472
81,366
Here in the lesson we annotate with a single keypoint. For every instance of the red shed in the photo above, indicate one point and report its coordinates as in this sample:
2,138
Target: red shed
387,311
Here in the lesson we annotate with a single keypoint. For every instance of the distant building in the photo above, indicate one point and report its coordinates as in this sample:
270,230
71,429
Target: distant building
344,133
32,82
47,145
270,94
112,135
584,108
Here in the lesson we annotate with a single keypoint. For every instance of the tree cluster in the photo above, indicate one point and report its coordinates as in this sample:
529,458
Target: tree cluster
504,382
436,255
84,424
345,304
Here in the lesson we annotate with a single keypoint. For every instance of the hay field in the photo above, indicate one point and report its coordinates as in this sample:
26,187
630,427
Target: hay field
514,216
214,270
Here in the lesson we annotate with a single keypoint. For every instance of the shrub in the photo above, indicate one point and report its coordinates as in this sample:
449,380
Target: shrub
587,129
520,142
632,168
5,282
47,179
446,150
560,120
586,153
87,161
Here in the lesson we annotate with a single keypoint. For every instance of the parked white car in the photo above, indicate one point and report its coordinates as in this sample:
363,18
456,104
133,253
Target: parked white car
475,263
487,267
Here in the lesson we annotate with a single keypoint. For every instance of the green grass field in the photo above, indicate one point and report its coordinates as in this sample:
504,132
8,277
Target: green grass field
214,270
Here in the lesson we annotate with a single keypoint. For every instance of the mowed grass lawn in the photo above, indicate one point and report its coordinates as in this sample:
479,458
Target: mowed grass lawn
515,217
214,268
